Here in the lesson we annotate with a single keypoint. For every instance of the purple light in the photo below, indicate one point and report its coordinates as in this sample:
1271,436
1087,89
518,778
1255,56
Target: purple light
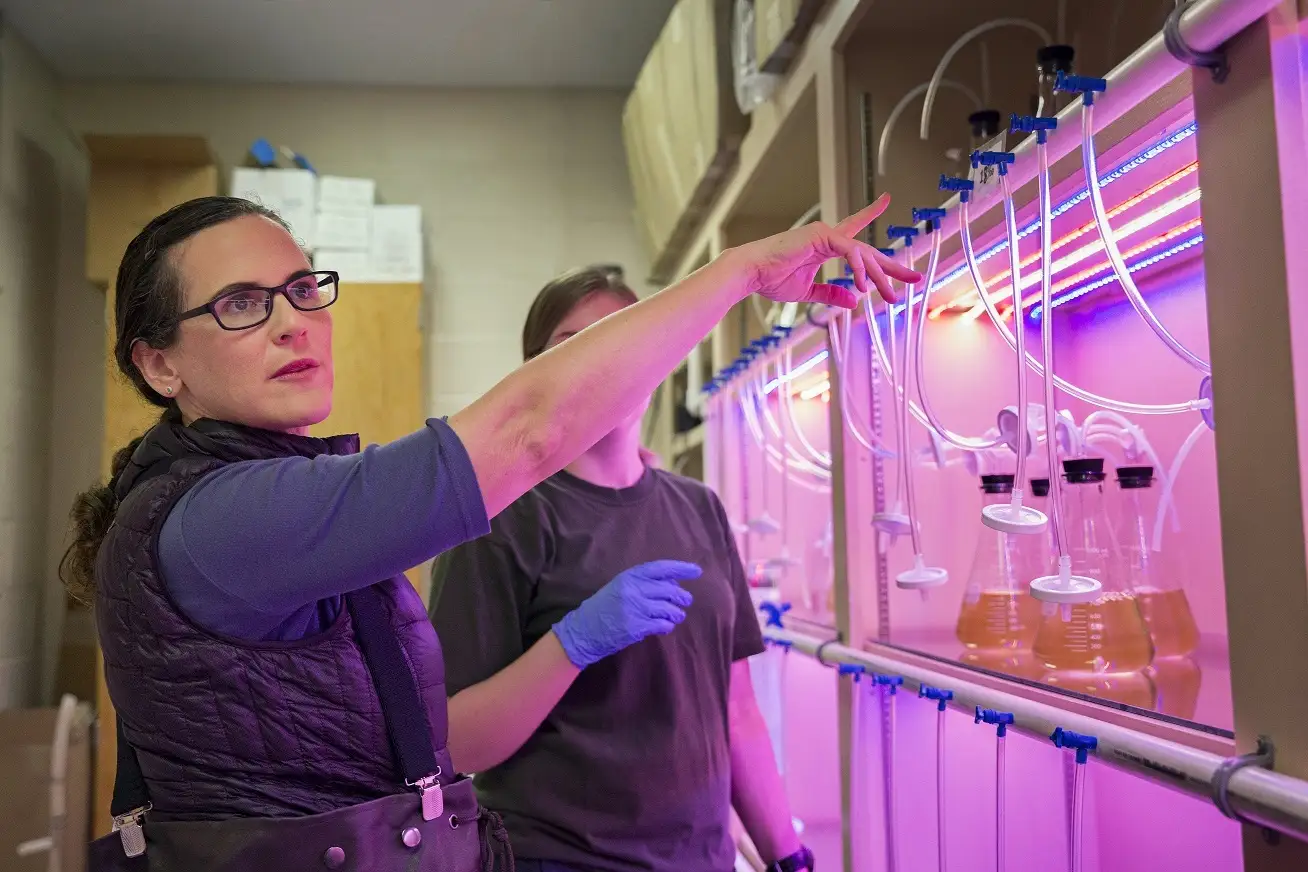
1082,290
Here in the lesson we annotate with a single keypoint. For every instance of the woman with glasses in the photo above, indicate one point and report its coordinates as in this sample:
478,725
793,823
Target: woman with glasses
631,761
279,688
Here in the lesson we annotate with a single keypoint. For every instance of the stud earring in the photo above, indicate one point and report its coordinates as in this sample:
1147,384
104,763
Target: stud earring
168,390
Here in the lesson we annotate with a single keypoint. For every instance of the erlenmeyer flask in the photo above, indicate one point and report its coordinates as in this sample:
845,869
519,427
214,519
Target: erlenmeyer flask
997,611
1163,605
1109,634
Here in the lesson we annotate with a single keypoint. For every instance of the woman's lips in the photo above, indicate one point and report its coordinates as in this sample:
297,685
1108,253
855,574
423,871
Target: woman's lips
296,368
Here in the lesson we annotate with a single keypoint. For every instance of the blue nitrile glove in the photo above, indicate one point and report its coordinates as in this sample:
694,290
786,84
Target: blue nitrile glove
646,600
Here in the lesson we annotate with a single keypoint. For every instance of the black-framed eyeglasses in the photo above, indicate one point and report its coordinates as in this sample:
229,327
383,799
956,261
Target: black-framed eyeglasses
249,307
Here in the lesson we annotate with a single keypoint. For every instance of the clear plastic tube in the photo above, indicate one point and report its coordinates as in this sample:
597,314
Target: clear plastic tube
919,360
788,404
888,696
851,416
905,437
749,409
1114,253
798,460
934,85
1172,474
1046,335
1078,812
974,267
940,791
1000,830
883,144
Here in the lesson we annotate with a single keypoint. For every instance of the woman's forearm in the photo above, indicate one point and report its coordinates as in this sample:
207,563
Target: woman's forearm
491,720
556,406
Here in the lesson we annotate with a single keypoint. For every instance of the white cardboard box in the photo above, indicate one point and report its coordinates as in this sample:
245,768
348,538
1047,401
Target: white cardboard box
338,192
396,251
353,267
344,228
291,193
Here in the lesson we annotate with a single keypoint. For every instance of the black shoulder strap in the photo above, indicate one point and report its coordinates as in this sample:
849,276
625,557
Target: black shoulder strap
401,704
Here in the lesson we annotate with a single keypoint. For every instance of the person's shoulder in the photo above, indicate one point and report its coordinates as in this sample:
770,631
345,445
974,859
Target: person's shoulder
529,514
692,490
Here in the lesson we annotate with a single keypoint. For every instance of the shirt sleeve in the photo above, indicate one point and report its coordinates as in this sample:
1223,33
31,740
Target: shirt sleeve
272,536
479,592
748,635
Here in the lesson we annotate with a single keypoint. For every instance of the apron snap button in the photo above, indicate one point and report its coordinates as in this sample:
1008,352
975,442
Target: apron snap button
334,858
411,837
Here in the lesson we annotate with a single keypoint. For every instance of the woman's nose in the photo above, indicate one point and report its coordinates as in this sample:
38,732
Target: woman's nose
287,322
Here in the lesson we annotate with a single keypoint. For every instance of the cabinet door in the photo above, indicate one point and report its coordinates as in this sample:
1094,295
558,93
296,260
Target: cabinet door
377,352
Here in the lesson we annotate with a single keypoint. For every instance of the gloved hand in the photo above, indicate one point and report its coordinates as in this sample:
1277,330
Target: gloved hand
646,600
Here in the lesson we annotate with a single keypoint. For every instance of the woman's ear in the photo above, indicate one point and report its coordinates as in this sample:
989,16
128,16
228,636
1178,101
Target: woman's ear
153,365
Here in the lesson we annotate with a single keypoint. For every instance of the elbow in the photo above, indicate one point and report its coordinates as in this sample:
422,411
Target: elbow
540,435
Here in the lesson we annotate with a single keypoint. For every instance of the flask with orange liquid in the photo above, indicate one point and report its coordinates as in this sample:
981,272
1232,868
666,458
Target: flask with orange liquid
1164,606
1109,634
997,611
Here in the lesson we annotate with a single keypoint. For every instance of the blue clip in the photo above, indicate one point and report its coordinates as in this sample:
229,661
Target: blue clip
941,697
1086,86
783,644
930,215
1083,745
999,159
1038,125
853,669
897,231
990,716
962,186
888,252
783,332
774,611
894,682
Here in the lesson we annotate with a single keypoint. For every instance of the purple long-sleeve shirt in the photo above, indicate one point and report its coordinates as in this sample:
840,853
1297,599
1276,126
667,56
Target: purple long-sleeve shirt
263,550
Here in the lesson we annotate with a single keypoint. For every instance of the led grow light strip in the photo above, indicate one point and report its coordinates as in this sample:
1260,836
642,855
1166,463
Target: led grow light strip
816,390
1143,222
1162,239
969,297
796,372
1076,199
1106,280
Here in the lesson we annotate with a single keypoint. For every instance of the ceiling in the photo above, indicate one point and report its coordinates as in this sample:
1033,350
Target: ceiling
449,43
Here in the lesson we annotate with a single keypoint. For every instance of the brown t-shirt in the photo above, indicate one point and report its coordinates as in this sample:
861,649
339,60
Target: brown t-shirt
631,770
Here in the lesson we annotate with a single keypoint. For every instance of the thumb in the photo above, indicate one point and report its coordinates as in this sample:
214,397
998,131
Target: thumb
833,295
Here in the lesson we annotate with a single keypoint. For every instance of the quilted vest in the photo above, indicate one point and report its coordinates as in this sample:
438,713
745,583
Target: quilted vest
228,728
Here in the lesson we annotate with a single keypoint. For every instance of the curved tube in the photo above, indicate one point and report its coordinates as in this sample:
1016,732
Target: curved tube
851,416
883,145
788,404
965,234
1166,499
934,85
773,457
1114,252
919,360
1046,334
797,460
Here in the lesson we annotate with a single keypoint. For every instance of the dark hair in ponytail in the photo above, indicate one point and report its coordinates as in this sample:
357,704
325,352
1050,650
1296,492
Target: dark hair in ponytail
148,298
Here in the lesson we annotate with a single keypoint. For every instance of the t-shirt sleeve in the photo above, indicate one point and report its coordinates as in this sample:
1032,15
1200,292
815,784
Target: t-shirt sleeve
748,635
267,537
479,592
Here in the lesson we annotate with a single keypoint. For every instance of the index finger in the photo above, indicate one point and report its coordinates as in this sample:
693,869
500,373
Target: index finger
856,223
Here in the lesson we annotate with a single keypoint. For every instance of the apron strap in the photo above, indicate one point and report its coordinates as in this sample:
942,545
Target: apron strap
401,703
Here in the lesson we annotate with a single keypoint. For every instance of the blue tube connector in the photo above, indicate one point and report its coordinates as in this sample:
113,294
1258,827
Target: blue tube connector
963,187
1000,159
783,644
774,611
999,719
853,669
931,216
894,682
940,697
1083,745
1039,125
888,252
1086,86
898,231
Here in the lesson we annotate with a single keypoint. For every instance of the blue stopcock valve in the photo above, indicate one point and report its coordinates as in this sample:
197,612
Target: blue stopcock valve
1083,745
963,187
774,611
930,216
1000,159
853,669
1086,86
1036,124
893,682
998,719
940,697
888,252
898,231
